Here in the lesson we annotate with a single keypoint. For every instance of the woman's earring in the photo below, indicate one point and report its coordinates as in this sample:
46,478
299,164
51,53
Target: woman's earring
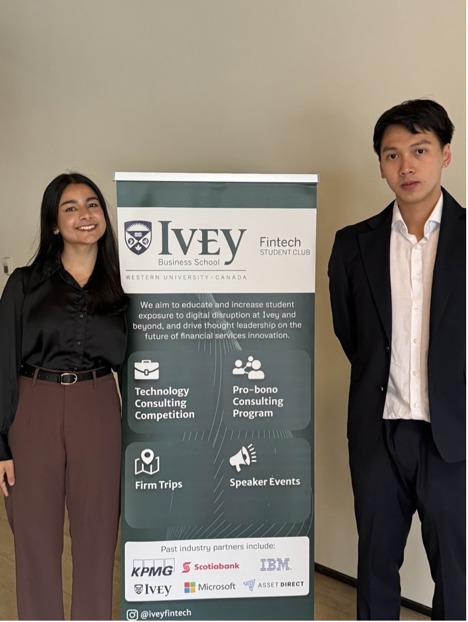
55,231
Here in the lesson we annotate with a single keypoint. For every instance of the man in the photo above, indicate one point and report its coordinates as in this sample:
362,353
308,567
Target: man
397,285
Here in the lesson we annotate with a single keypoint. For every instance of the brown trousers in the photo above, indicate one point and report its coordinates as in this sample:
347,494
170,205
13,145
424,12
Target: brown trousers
66,446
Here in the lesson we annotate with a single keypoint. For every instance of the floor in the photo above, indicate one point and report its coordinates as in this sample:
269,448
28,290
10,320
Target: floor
333,600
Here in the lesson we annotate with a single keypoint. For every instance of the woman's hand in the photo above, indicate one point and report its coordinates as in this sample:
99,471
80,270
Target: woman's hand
7,474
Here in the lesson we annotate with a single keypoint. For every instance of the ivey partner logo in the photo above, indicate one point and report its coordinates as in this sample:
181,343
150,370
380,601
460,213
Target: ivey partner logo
202,241
152,590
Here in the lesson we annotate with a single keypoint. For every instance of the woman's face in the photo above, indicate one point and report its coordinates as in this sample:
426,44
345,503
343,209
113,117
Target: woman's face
80,217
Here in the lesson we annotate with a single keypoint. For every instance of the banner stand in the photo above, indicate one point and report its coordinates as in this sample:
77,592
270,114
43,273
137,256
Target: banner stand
217,500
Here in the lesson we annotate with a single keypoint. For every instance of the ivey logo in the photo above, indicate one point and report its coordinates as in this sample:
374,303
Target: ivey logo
138,235
203,241
272,564
159,590
153,567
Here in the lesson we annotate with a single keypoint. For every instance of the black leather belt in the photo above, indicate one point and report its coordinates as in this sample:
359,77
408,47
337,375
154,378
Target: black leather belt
63,377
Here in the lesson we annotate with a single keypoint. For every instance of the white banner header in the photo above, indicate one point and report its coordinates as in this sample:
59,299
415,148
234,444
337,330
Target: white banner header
203,250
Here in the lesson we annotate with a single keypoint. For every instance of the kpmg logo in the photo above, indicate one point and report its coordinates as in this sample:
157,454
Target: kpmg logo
138,235
153,567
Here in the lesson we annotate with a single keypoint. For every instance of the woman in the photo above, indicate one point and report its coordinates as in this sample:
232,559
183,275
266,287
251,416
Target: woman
63,331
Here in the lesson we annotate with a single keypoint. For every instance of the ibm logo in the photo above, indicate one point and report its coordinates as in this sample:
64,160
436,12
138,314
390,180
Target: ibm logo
275,564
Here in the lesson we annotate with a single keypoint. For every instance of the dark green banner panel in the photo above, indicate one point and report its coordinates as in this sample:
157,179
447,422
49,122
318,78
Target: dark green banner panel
217,502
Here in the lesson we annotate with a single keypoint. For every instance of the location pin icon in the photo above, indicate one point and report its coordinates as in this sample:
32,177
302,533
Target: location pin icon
147,456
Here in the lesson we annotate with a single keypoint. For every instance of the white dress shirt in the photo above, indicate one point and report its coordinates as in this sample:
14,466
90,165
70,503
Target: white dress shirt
411,269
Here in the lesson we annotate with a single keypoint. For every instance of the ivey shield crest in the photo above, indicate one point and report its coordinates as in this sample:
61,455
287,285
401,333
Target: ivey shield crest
138,235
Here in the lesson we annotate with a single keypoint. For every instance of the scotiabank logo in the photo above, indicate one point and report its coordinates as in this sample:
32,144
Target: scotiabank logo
153,567
191,567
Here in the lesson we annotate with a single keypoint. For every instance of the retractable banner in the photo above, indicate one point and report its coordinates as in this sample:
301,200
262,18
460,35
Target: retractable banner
217,510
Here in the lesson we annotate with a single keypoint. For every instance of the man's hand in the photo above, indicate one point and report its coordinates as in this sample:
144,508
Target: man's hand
7,474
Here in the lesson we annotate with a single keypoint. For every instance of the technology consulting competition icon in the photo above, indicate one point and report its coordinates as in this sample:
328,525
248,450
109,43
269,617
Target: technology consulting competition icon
138,235
146,370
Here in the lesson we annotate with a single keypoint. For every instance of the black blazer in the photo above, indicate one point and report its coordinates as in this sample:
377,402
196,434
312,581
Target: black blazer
359,272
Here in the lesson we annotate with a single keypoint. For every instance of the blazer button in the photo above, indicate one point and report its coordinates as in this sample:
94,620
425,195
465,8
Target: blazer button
387,348
381,388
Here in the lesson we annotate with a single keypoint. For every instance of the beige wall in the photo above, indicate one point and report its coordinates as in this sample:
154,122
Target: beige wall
281,86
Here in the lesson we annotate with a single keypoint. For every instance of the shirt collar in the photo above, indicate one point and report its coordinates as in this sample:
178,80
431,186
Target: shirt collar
398,224
42,272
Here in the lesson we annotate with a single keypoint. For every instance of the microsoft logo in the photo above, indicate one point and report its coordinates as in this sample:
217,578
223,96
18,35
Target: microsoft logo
190,587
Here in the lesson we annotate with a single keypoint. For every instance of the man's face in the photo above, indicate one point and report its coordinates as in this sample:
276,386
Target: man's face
412,166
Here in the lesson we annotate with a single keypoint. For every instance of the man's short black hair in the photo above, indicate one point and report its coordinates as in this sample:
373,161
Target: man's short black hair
416,115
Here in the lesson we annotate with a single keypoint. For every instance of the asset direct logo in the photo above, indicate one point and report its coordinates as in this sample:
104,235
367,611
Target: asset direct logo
191,567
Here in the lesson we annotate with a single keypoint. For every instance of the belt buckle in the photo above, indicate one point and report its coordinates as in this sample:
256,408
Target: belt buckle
68,373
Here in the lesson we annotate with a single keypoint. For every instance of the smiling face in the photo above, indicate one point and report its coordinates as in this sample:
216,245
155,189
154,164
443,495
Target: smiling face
80,217
412,166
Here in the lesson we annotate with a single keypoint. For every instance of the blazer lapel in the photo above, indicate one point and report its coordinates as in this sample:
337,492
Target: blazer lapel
375,253
450,258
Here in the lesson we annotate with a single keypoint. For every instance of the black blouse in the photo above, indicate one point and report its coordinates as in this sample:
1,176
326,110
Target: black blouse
44,321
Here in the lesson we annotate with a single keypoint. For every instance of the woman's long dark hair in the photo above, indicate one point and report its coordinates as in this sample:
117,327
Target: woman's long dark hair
104,286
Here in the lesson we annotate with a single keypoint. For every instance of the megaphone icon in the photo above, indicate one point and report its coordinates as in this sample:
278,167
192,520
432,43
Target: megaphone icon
244,457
